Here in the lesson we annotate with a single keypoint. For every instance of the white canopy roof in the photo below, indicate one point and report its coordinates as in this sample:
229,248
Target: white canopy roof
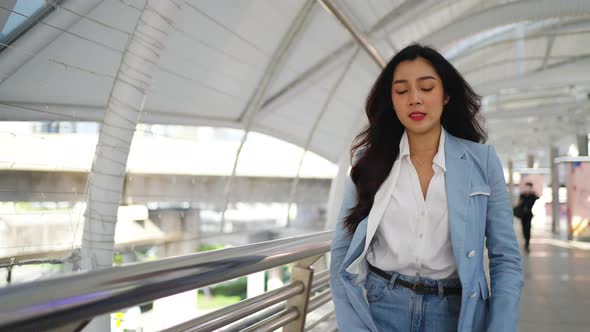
529,59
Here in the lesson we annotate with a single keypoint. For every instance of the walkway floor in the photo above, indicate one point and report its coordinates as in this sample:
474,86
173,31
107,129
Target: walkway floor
556,295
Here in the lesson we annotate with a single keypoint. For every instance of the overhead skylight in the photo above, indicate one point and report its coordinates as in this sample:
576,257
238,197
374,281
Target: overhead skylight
18,16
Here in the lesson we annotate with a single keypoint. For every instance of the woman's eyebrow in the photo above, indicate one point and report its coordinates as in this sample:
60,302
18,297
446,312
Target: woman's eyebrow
422,78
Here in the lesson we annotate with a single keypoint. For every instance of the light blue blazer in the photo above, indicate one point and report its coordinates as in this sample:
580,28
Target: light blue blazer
479,212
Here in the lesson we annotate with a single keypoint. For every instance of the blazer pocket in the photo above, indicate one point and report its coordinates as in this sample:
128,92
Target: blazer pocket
480,190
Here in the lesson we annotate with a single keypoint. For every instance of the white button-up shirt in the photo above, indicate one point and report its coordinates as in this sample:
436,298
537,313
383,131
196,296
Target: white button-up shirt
413,235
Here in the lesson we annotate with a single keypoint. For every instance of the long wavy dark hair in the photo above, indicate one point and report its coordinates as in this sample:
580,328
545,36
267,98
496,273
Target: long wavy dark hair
375,149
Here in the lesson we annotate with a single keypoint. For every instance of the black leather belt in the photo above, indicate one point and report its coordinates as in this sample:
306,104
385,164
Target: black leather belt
418,288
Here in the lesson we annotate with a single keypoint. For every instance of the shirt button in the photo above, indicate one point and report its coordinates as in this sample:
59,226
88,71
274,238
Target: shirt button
423,213
471,253
420,236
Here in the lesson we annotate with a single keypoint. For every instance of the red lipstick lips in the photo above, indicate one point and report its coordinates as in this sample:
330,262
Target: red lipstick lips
417,116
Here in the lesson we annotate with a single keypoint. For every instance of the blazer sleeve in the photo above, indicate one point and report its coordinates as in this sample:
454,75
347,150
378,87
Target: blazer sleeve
346,316
503,251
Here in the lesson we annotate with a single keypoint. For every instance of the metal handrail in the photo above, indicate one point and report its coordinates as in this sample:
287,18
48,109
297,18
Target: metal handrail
281,316
237,311
319,300
319,281
279,320
82,296
245,323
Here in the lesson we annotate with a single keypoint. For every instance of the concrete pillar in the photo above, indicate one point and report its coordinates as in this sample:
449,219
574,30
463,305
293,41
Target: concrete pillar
255,285
308,216
129,256
191,222
511,182
582,144
275,278
554,189
170,223
530,160
183,223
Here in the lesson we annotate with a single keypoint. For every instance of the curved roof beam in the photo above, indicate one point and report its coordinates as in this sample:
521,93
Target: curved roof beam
543,33
566,59
360,37
255,101
18,111
543,110
313,131
569,74
404,13
503,15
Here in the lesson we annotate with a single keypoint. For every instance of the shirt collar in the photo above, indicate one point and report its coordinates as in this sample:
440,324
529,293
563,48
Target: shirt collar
404,146
439,158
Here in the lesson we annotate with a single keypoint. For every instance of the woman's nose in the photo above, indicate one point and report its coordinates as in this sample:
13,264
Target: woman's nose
414,97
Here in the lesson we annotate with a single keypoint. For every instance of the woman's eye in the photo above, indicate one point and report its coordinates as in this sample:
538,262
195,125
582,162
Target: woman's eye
401,92
427,89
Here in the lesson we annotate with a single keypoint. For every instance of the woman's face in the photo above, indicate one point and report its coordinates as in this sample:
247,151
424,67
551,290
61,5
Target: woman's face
418,96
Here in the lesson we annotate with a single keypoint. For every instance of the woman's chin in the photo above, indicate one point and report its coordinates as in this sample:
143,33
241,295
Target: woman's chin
422,128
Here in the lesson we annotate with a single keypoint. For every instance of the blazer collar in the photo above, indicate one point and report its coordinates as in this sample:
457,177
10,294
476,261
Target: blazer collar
454,148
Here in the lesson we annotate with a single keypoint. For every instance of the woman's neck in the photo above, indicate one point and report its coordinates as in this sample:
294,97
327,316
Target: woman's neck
425,143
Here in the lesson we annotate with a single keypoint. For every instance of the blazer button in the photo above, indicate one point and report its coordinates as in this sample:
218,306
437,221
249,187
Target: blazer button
471,253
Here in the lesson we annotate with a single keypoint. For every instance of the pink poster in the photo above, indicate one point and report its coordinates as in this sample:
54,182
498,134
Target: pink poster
578,199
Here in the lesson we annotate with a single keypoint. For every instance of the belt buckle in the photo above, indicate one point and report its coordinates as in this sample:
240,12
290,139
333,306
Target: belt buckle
418,287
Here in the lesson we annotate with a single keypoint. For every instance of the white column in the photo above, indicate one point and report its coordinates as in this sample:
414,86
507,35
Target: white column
105,183
554,189
126,101
275,278
255,284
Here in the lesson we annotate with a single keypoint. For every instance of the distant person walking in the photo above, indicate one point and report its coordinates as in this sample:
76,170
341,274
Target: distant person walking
525,202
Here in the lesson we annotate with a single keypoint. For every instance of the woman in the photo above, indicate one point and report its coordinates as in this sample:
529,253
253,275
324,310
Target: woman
422,196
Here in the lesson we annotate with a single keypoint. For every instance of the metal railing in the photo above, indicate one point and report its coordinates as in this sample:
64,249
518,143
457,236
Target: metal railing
70,302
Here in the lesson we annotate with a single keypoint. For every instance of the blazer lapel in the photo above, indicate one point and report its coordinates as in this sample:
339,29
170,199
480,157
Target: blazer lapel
458,180
349,280
380,203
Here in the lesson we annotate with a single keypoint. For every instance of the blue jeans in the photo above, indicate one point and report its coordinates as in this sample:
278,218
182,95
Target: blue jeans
397,308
